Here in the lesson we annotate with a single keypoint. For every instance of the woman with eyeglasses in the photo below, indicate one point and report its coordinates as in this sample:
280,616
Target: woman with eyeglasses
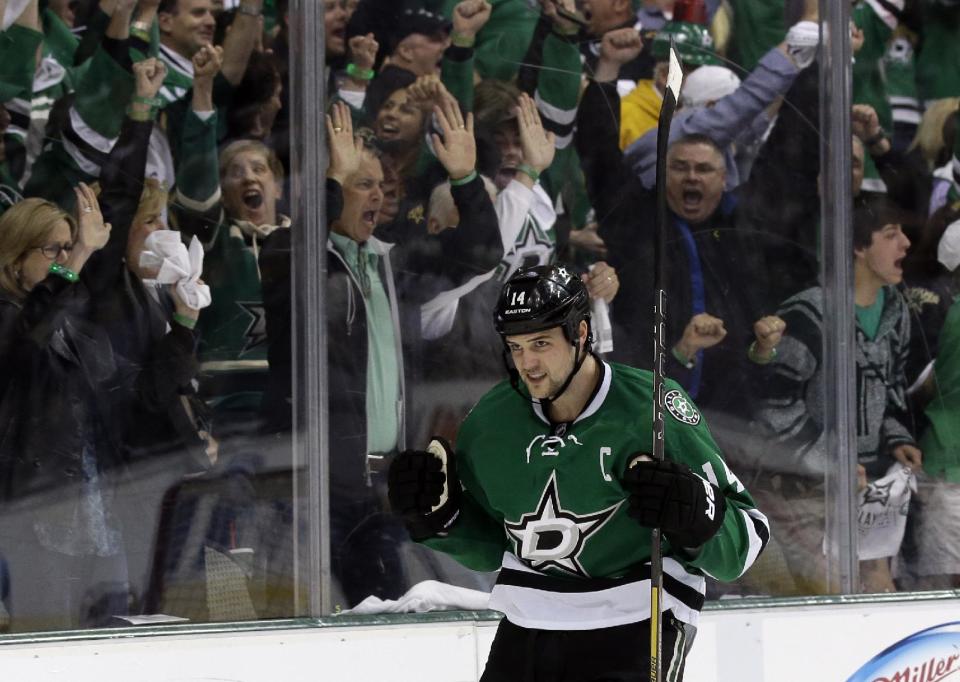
58,380
41,244
96,367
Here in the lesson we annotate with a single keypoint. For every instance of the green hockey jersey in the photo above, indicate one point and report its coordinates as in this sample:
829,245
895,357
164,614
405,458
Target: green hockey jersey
938,61
233,333
544,503
503,42
179,77
527,220
899,65
869,82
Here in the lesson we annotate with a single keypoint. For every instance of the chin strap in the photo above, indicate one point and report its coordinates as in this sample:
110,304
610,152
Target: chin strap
545,402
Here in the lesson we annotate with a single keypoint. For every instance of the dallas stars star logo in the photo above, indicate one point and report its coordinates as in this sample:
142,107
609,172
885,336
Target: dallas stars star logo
256,332
681,408
554,537
878,493
533,246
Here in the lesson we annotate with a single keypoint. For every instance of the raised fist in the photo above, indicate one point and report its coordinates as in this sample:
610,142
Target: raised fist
469,16
363,51
621,46
424,489
149,75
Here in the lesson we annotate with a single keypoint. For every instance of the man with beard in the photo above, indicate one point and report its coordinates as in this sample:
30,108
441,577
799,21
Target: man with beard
526,493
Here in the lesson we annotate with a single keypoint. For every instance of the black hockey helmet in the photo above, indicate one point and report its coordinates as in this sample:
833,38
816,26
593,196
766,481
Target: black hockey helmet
542,297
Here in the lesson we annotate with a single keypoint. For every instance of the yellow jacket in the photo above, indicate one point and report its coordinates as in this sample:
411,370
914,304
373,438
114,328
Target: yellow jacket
639,111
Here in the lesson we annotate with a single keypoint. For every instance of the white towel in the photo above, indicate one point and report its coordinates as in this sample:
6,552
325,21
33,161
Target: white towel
882,512
14,10
165,253
429,595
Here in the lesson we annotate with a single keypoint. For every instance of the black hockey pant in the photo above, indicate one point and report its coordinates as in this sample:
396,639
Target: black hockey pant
615,654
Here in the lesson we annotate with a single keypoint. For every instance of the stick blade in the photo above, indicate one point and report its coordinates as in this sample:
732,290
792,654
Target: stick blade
674,73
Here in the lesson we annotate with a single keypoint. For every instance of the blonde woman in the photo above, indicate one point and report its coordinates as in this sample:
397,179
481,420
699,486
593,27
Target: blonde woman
40,243
63,541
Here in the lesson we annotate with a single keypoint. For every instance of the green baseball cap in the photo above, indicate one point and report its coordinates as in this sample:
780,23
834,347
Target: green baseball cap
693,41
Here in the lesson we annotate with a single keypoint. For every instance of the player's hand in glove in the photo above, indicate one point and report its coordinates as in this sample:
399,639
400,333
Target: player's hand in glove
688,509
424,489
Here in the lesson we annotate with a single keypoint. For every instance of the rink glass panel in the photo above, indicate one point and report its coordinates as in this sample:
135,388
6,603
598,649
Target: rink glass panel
446,375
253,539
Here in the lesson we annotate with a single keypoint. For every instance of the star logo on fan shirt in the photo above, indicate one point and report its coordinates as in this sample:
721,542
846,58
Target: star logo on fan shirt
878,493
555,537
256,331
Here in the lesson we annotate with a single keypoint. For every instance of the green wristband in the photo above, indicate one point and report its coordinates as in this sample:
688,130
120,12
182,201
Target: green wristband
61,271
153,102
141,116
184,321
529,171
466,180
460,40
356,72
752,355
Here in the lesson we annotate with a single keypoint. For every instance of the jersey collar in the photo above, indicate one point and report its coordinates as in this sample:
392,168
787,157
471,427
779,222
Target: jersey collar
592,405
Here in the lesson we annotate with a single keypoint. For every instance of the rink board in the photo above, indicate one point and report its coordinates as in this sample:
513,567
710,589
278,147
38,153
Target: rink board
764,644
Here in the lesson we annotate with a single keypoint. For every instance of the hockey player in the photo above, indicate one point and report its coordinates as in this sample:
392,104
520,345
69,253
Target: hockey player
551,485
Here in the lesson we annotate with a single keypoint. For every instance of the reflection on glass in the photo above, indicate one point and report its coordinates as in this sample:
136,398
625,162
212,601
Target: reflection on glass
147,381
744,193
140,184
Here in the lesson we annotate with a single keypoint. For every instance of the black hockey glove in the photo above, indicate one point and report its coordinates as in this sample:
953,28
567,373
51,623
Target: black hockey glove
688,509
424,489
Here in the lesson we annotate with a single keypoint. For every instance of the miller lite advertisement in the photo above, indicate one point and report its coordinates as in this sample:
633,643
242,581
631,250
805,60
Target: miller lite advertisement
926,656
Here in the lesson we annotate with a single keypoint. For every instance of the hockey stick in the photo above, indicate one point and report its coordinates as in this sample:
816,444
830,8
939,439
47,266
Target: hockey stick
671,96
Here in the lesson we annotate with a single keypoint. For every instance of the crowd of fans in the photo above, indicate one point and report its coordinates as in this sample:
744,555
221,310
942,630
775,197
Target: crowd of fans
147,294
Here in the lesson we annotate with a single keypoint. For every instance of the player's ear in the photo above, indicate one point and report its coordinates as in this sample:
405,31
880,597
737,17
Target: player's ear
582,331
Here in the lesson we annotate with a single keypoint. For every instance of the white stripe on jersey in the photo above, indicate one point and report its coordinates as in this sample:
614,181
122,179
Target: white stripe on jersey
85,164
629,603
176,62
89,135
560,116
200,206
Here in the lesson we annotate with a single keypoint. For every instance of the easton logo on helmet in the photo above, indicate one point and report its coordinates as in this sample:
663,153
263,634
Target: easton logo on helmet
542,297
